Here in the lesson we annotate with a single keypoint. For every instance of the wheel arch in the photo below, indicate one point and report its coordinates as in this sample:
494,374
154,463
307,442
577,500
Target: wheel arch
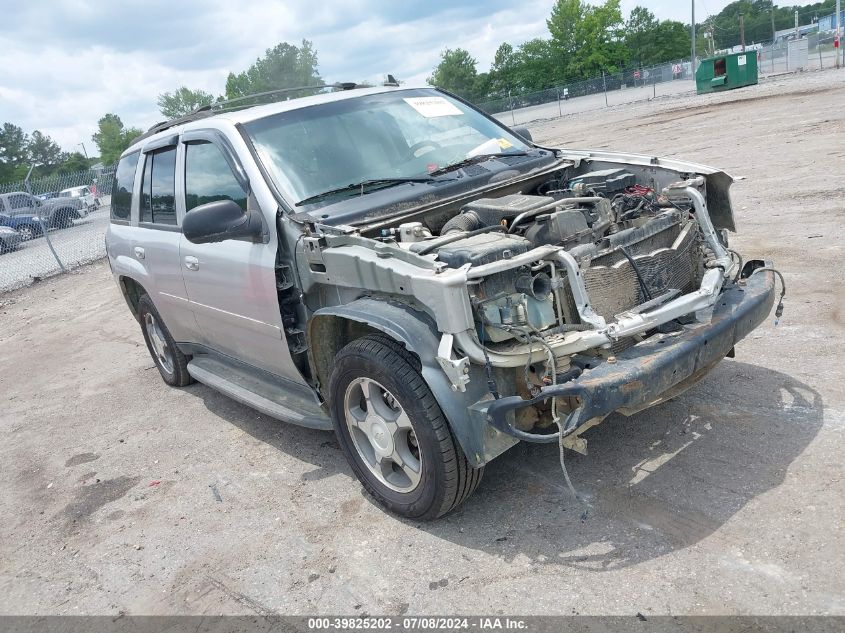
131,291
331,329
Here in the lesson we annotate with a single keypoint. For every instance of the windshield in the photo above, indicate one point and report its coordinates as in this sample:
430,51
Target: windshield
395,135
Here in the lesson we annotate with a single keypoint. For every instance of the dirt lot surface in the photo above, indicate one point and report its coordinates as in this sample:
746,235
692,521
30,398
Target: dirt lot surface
119,494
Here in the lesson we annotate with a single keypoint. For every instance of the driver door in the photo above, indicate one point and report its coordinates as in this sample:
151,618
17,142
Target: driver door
231,285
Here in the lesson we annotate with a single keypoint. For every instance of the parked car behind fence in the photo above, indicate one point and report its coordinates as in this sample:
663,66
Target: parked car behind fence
58,213
10,239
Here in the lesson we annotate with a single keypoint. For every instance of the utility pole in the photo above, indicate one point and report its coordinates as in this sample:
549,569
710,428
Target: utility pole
84,150
796,25
742,31
711,50
774,33
692,28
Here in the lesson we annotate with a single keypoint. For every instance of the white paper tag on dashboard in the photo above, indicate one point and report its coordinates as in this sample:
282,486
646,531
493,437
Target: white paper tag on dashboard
431,107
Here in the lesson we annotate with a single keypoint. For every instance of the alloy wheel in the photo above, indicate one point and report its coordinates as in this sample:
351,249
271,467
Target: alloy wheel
383,435
159,344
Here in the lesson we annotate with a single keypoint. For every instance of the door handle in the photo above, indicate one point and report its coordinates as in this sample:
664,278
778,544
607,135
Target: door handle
192,263
139,252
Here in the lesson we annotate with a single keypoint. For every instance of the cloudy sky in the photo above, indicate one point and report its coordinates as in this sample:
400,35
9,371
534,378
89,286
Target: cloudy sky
65,63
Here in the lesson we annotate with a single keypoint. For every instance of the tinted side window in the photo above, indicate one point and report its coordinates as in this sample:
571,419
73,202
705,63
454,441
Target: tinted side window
208,177
124,180
158,191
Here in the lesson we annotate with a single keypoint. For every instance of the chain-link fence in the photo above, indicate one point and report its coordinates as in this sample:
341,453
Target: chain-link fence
640,84
101,178
39,236
821,54
639,78
602,91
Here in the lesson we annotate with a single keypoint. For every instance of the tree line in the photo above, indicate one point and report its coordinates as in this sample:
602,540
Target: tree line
587,40
19,150
285,65
584,40
759,16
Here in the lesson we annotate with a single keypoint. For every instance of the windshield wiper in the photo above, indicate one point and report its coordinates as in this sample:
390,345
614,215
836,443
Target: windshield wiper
472,160
379,183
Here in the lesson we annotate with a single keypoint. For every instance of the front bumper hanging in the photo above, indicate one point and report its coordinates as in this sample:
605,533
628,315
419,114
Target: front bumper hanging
654,370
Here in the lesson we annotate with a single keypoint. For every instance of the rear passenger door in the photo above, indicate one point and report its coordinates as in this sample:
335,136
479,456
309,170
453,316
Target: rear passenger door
231,284
155,243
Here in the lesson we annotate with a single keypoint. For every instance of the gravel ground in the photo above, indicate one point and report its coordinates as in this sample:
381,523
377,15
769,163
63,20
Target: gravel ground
122,495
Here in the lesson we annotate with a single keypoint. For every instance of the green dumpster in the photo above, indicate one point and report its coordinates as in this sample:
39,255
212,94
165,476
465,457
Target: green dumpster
726,72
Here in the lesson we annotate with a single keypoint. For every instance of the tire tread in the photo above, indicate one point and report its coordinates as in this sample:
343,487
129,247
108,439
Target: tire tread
181,377
461,479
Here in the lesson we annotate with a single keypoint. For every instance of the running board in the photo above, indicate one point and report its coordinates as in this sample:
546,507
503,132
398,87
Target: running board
259,392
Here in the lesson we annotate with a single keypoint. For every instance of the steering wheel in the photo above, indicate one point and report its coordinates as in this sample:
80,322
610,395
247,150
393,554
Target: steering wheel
416,147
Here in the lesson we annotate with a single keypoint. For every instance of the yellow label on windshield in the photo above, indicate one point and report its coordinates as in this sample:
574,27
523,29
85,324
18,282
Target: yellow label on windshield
504,143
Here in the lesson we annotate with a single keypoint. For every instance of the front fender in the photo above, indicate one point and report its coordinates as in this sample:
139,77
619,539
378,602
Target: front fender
417,332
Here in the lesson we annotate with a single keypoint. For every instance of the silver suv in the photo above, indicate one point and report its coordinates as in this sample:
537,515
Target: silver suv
395,265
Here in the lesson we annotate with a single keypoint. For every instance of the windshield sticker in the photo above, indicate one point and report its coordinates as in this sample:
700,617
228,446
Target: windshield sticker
431,107
505,143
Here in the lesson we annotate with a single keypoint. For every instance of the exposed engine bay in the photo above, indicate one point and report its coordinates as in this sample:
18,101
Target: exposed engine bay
632,245
537,292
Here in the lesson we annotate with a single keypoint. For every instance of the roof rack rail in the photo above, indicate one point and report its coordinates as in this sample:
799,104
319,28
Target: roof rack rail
205,111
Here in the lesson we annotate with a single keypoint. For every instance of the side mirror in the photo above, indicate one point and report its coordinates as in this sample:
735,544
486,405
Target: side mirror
221,220
523,133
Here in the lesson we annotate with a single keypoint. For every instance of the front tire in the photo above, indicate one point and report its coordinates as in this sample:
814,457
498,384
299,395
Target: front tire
394,434
171,363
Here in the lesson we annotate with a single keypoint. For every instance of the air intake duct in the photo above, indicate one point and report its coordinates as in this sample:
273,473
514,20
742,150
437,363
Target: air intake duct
490,211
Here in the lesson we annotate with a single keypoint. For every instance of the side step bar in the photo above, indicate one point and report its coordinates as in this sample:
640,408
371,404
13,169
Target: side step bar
259,392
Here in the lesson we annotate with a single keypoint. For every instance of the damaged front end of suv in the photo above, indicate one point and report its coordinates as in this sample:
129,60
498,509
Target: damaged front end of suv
427,251
601,284
393,264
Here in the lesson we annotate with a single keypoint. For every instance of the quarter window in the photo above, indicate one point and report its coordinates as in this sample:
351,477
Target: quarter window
124,181
158,189
209,178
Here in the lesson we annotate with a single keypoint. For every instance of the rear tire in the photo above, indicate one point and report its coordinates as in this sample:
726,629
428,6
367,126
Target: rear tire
171,363
394,434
